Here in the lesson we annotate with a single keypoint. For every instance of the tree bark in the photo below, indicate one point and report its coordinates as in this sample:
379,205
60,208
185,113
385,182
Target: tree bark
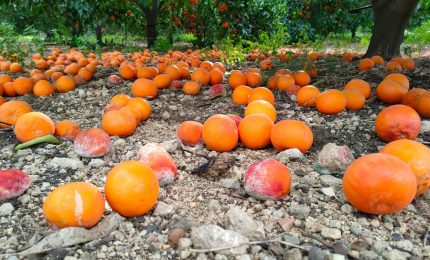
390,20
151,14
99,35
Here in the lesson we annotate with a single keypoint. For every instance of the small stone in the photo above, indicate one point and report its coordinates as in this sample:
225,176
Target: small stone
359,245
119,142
332,233
289,155
24,152
374,223
174,236
330,180
6,209
368,255
425,127
163,209
214,205
336,257
185,254
239,221
212,236
341,247
333,158
290,239
65,163
220,257
405,245
245,257
346,208
355,230
171,145
316,253
96,163
165,115
380,246
229,183
293,254
396,255
328,192
299,211
286,223
184,242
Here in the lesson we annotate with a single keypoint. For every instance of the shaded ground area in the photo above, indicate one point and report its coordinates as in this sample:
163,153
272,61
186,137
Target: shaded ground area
204,199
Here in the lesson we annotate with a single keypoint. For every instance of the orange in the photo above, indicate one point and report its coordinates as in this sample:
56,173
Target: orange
285,82
145,72
393,66
411,98
67,130
23,85
272,82
416,155
355,100
220,133
307,96
241,94
144,88
75,204
377,59
173,72
400,78
255,130
390,91
216,76
142,105
261,93
288,134
261,106
397,122
162,81
302,78
190,132
379,184
15,67
131,188
253,79
5,78
201,76
408,64
236,78
423,104
331,102
10,111
359,85
33,125
43,88
366,64
191,88
65,84
120,100
119,123
9,90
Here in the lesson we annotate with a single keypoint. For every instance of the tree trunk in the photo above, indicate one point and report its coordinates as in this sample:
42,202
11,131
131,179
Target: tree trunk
390,20
99,35
151,33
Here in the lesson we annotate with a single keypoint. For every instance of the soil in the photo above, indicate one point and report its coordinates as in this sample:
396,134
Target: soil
146,237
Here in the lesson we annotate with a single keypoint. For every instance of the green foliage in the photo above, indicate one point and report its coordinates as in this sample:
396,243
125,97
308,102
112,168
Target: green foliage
419,35
187,37
162,44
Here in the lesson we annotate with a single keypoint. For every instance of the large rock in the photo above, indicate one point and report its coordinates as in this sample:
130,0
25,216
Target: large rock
333,158
289,155
239,221
213,236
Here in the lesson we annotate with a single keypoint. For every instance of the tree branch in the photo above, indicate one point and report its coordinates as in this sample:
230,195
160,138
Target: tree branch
357,10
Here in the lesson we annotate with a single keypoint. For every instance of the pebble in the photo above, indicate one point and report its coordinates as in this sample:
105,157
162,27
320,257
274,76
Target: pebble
240,222
286,223
299,211
374,223
212,236
379,246
65,163
214,205
229,183
346,208
96,163
396,255
330,180
6,209
355,230
405,245
245,257
184,243
334,158
24,152
289,155
316,253
163,209
368,255
293,254
332,233
174,236
425,127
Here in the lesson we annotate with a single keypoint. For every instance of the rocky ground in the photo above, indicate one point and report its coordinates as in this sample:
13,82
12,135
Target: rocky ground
210,209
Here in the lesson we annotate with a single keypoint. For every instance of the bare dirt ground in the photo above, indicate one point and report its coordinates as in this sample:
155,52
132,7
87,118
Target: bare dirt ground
323,225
